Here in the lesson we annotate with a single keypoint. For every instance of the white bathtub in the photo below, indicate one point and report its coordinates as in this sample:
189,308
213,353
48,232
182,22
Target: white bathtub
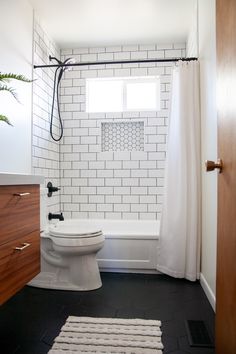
130,245
128,229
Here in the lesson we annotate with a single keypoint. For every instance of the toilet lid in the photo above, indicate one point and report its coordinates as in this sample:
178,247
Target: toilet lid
74,231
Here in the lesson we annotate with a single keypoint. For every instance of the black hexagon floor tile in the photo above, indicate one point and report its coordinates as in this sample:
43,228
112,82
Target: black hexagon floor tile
34,316
162,313
170,344
130,312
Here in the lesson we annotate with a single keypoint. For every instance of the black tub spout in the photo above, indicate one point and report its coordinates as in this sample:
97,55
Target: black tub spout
56,216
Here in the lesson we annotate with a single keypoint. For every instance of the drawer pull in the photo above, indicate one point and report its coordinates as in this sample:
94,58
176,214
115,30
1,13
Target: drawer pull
25,245
21,194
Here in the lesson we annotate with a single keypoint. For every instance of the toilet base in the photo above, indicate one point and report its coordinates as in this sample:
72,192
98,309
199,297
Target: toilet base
55,281
84,272
46,280
74,273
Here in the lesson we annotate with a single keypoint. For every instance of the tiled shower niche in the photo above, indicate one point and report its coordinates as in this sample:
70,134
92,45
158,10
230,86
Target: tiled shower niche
122,136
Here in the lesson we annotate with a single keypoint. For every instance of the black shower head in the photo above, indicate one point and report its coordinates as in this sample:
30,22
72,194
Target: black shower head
68,61
65,68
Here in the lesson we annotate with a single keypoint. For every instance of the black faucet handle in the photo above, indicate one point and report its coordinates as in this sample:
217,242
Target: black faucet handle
52,189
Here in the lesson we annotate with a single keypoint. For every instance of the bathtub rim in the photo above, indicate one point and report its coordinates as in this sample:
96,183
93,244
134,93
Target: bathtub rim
120,234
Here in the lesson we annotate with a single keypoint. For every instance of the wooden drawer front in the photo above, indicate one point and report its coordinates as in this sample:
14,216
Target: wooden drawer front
19,215
18,267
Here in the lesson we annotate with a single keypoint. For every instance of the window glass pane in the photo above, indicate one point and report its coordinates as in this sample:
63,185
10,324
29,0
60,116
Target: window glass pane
104,95
123,94
142,96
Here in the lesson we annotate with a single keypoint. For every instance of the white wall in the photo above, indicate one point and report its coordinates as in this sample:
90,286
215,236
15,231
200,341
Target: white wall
192,40
45,151
207,55
16,56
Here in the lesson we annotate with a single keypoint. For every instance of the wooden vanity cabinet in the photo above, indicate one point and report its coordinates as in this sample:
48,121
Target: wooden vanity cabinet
19,237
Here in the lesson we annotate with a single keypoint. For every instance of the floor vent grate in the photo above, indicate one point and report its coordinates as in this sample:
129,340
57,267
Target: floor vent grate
198,334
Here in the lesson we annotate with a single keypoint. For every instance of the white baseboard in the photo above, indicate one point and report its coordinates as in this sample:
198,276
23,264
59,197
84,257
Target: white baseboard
133,271
209,293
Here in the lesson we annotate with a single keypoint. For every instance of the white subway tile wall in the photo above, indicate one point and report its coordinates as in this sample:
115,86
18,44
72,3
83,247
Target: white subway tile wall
113,184
45,159
95,183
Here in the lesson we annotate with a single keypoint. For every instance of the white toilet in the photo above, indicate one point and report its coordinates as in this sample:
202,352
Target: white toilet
68,254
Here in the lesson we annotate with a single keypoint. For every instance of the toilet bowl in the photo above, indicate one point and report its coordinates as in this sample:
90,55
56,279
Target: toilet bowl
68,256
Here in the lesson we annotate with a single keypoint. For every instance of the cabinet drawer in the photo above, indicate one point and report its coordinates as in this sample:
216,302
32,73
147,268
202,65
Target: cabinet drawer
17,267
19,211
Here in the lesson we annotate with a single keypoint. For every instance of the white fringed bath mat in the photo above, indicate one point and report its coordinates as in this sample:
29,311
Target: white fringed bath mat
108,335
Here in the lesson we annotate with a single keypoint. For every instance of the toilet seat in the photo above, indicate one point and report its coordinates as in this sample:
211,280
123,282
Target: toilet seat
75,235
65,241
73,232
68,235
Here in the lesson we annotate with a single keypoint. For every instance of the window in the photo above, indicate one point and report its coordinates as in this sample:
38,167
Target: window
123,94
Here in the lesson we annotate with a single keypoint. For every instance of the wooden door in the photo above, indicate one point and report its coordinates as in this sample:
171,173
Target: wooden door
226,243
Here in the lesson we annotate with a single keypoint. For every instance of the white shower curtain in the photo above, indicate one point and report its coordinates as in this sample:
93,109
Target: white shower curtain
179,252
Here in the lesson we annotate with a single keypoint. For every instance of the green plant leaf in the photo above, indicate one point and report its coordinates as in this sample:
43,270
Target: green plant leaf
11,76
9,89
4,79
5,119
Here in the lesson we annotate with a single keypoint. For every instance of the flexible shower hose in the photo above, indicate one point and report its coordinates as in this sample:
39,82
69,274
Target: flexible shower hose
57,81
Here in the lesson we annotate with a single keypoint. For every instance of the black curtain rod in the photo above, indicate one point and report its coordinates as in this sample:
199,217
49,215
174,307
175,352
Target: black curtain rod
115,62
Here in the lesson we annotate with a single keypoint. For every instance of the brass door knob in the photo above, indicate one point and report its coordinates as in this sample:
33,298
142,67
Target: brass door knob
211,165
